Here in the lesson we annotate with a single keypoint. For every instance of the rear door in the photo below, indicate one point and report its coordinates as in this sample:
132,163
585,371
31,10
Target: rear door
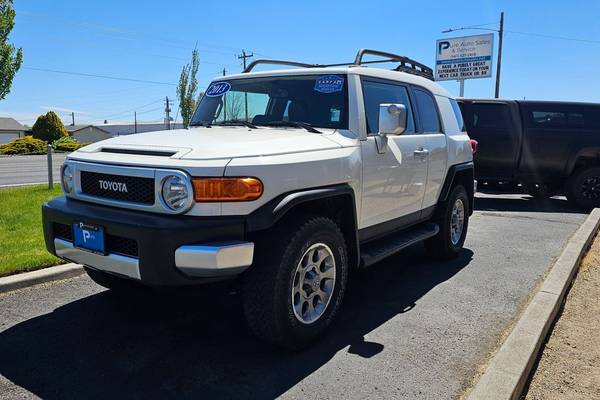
497,130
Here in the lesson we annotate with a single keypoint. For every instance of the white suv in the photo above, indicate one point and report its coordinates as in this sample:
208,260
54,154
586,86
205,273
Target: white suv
285,179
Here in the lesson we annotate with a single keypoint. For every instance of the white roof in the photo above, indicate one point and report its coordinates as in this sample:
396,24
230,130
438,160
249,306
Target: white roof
432,86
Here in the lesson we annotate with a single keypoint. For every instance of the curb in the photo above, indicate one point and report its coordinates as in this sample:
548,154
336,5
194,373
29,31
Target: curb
19,281
510,368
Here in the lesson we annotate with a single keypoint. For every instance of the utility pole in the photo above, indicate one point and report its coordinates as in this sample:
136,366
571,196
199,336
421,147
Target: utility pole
135,122
167,113
72,118
243,57
224,100
500,35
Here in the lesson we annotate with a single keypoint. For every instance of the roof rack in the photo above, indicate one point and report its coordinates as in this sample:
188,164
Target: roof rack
405,64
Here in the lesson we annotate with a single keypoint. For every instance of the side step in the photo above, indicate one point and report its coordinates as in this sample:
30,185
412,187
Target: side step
377,250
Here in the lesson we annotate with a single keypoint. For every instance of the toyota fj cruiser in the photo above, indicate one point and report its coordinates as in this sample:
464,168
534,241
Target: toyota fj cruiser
286,179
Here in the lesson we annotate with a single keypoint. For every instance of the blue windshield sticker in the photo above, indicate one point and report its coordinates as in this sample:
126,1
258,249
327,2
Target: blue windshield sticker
329,84
218,89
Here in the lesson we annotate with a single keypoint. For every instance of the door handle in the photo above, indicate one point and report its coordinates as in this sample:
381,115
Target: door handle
421,153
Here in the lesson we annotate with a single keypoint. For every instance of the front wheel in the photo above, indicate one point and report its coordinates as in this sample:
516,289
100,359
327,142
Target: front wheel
295,288
453,220
583,189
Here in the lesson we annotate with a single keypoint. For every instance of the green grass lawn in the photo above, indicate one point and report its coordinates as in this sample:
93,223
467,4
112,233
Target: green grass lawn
22,245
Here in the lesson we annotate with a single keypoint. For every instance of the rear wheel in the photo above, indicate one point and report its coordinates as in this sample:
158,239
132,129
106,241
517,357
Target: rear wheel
295,288
453,220
583,189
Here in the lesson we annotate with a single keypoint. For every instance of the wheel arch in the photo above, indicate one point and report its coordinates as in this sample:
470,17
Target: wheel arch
460,174
337,202
589,156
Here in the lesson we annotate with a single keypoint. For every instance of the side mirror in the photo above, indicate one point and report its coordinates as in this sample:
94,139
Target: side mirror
392,119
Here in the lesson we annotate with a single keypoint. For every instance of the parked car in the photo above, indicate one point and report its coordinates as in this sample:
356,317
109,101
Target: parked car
328,169
548,147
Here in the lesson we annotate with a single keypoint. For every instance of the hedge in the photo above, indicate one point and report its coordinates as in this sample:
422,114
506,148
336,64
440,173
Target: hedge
24,145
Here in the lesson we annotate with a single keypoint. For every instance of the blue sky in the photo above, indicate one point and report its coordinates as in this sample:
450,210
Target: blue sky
151,40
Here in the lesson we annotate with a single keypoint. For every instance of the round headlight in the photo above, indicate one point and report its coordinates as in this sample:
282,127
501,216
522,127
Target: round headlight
175,192
67,178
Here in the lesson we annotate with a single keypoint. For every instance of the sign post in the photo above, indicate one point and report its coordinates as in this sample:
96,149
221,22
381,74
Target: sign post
461,58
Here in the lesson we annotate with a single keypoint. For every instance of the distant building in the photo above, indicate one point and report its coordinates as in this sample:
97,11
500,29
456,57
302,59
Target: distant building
10,129
96,133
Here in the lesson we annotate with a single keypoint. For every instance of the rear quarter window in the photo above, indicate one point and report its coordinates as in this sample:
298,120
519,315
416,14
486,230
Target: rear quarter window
458,115
487,117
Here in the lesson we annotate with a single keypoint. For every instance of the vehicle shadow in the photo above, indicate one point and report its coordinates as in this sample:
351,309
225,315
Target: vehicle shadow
526,203
197,345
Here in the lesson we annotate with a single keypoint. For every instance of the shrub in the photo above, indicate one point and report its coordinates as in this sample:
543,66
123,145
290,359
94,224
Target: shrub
66,143
49,127
24,145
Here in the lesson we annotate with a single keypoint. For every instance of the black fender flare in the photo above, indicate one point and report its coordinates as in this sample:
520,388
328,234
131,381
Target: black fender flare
464,168
274,210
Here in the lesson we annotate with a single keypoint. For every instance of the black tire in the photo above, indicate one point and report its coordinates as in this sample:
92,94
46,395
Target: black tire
112,282
268,284
583,188
441,245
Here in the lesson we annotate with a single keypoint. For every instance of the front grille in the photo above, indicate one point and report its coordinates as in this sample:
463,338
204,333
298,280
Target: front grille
121,245
114,244
118,187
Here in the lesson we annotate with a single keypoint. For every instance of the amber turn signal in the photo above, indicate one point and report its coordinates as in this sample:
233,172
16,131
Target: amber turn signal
227,189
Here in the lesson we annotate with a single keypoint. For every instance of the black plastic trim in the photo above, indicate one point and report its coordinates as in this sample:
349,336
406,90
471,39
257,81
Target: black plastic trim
157,235
395,225
449,182
271,212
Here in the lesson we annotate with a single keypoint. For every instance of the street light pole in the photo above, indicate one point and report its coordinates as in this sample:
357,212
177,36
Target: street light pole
499,66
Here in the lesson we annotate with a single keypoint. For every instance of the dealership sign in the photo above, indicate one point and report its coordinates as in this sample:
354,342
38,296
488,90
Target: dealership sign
467,57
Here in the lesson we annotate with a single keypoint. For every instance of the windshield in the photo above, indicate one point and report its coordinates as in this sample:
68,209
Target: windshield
309,100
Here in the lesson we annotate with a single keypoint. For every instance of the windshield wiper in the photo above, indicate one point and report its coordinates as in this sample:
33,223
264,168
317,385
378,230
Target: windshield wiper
237,123
296,124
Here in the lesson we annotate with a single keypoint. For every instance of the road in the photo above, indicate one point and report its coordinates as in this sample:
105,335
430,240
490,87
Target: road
19,170
410,327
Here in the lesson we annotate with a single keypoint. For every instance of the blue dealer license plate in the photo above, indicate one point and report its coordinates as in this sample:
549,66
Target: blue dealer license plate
89,237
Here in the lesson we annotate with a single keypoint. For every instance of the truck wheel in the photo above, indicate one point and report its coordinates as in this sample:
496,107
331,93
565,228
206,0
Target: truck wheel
583,189
111,282
295,288
453,220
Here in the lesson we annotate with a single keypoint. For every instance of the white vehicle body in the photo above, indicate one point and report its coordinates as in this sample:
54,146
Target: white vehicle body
387,165
298,159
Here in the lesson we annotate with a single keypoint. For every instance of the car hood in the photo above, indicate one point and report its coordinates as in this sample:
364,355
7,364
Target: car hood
202,143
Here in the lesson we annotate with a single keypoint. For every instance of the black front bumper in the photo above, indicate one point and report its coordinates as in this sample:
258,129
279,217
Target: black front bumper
156,236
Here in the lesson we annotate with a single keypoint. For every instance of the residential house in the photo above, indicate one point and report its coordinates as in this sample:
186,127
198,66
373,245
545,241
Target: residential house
10,129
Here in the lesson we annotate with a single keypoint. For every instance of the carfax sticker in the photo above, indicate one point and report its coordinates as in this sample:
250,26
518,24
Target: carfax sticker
329,84
218,89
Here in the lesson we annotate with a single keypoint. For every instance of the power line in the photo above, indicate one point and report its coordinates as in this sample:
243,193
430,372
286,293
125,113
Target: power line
555,37
116,78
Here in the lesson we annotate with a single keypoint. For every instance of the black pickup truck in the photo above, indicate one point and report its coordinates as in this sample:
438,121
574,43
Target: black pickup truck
548,147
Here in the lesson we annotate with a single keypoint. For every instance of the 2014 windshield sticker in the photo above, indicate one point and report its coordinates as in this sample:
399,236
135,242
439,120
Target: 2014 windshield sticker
329,84
218,89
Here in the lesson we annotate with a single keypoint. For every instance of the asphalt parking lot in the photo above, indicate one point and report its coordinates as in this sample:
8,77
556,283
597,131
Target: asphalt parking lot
19,170
410,327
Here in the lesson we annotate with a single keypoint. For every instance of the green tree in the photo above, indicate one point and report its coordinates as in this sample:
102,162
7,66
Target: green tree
49,127
10,57
186,89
